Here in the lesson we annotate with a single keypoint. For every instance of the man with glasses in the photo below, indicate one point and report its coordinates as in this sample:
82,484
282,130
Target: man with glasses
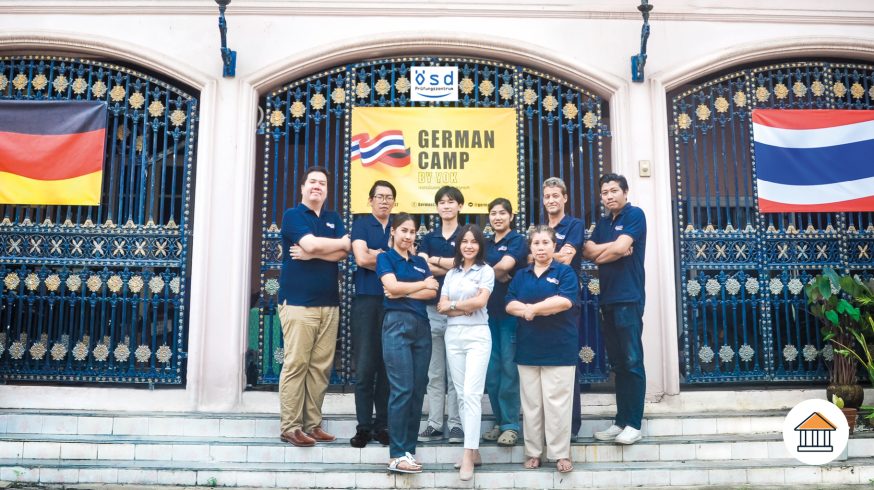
370,234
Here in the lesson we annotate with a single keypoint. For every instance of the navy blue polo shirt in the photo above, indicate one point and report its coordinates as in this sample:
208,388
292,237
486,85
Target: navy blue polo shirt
435,245
308,282
513,245
622,281
571,230
547,340
369,229
414,269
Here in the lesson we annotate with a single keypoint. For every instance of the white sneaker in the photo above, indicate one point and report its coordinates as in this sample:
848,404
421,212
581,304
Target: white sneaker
629,435
608,434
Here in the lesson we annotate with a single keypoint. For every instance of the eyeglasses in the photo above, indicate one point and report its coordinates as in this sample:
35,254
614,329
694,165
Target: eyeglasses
383,198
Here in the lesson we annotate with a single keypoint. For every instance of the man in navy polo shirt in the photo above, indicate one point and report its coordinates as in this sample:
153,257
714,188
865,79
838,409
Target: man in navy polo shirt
438,249
370,234
618,245
569,237
313,241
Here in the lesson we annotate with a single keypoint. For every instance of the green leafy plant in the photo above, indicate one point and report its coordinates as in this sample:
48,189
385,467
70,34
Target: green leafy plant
211,482
843,305
838,401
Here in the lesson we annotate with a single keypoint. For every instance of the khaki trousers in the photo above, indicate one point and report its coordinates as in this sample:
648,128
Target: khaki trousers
310,337
547,402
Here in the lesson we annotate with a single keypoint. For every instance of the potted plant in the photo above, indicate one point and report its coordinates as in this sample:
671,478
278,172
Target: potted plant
849,413
842,304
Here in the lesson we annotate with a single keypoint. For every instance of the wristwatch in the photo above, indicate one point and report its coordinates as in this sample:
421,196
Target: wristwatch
452,305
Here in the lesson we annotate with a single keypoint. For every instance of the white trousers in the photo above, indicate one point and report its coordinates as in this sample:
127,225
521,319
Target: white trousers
547,394
468,348
436,393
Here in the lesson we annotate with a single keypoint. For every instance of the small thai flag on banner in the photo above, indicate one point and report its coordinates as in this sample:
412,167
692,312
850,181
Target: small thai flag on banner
51,152
814,160
387,147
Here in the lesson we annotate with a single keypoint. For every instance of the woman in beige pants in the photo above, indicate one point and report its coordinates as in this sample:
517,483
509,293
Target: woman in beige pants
545,298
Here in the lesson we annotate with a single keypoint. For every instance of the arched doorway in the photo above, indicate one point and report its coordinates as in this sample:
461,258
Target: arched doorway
563,131
99,293
741,273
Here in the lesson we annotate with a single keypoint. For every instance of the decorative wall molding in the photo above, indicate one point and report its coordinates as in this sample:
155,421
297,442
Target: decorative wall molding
854,12
781,48
446,44
99,48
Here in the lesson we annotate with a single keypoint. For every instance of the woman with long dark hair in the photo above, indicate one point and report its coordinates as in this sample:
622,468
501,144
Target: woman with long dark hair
463,300
406,339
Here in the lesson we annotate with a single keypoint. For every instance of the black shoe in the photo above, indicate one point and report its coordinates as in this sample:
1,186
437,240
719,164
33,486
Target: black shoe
361,438
381,436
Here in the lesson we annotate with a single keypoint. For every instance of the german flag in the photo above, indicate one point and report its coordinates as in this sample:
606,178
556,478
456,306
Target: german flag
51,152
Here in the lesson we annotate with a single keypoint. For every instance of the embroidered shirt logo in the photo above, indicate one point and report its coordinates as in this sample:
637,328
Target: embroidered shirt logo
452,243
618,228
330,225
560,236
502,248
419,269
552,280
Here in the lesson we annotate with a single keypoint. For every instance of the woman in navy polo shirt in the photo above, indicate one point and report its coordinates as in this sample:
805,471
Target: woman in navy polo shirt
406,339
506,252
545,297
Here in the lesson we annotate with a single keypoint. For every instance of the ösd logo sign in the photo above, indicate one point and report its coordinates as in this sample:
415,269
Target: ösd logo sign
435,83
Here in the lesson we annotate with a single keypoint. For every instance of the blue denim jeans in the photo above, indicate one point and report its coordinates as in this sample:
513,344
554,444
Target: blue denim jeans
502,377
371,384
406,347
622,327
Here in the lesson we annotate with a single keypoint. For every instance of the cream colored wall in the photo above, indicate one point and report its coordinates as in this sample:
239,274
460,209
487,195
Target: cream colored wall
586,42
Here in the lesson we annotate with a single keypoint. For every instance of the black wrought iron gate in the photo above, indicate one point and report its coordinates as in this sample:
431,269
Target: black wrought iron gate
562,132
741,273
99,293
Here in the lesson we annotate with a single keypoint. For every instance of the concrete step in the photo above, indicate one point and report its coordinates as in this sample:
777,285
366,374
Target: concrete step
235,425
853,471
257,450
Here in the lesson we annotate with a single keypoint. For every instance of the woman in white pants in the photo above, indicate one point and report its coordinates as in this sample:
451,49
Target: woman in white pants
463,299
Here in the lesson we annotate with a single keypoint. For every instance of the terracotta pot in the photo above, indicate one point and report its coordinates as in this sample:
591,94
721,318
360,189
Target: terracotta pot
850,414
853,395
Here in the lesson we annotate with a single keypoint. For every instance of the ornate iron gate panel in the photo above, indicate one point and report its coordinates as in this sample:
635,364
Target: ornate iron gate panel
562,132
742,273
99,293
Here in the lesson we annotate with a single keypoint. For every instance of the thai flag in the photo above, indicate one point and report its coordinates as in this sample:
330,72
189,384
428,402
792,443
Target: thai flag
814,160
51,152
387,147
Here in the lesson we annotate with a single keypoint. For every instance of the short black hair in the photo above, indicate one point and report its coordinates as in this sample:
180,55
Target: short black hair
619,179
315,168
450,192
480,239
501,201
381,183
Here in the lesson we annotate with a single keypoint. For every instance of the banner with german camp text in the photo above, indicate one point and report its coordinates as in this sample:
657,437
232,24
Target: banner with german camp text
421,149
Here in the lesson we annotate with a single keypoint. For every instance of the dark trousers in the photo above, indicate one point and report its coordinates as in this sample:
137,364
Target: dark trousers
406,345
502,376
622,328
371,385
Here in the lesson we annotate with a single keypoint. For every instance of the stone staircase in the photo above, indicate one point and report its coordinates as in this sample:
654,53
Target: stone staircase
685,445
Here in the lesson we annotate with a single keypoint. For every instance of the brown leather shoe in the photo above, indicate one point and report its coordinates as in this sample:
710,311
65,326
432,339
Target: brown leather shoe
298,438
320,435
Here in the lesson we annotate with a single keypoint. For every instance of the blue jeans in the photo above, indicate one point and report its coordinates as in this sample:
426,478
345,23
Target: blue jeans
371,384
502,377
622,327
406,347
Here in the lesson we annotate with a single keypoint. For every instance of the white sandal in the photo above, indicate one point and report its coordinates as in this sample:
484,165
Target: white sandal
411,466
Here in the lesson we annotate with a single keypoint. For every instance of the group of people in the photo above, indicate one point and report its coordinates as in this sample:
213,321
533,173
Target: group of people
497,314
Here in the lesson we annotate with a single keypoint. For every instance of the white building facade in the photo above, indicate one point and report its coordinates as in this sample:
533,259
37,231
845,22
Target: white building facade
586,45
